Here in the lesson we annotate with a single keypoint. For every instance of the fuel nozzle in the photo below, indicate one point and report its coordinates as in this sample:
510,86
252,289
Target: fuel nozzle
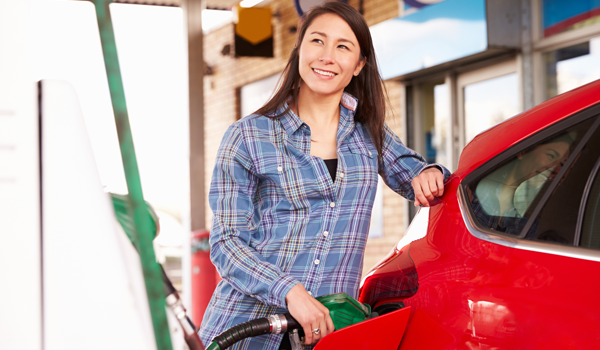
174,302
282,323
274,324
343,309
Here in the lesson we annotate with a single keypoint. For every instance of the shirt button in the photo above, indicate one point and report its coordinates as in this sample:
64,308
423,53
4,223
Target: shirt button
317,262
341,175
332,205
370,153
310,293
279,168
325,233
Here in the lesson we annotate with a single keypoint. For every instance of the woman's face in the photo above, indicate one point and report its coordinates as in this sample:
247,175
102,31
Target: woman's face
541,158
329,55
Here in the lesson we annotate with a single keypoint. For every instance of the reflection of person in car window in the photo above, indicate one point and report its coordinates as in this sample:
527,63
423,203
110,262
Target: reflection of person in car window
503,196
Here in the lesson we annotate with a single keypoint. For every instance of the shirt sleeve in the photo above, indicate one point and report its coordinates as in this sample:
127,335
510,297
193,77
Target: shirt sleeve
232,190
400,164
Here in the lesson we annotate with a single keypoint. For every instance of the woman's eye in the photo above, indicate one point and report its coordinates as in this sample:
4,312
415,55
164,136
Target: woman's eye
317,41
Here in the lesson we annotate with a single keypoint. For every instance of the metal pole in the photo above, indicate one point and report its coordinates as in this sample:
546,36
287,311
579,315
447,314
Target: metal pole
193,15
193,18
142,232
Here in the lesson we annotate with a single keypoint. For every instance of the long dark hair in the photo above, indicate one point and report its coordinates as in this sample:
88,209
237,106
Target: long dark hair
367,87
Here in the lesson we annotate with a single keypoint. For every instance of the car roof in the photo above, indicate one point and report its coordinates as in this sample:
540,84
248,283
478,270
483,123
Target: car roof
493,141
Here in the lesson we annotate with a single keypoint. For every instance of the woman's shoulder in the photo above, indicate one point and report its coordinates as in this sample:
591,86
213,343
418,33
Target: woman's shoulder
252,128
256,121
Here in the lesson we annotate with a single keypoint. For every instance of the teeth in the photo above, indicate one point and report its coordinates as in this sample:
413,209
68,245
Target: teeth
324,72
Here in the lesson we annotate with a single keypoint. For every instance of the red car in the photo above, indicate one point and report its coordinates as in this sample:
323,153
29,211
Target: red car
509,258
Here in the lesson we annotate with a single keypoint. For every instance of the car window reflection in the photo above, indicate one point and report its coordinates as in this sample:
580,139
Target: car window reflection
501,199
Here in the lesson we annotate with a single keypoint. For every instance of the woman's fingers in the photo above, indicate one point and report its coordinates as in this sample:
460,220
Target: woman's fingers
327,323
440,184
323,330
310,313
419,197
433,187
428,185
330,325
421,190
308,335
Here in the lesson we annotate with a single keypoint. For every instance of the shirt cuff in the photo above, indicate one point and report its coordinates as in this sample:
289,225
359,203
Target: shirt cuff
280,288
432,166
444,171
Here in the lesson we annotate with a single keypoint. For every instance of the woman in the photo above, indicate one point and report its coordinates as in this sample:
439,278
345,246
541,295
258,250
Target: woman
294,184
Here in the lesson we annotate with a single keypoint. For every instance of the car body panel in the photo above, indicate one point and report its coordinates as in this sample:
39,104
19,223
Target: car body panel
477,294
493,295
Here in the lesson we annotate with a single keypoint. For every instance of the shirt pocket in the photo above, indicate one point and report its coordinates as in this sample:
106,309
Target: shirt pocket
362,166
287,187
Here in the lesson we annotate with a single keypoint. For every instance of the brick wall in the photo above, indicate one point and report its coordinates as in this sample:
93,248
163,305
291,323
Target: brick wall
221,101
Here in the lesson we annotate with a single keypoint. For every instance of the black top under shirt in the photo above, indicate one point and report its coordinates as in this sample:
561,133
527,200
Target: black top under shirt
332,167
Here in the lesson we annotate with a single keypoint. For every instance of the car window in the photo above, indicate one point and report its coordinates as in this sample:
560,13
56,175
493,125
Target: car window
558,218
504,198
590,228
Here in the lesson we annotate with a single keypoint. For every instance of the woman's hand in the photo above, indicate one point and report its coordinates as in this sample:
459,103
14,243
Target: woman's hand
428,185
310,313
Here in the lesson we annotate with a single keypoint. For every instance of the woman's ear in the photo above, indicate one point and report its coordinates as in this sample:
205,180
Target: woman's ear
360,66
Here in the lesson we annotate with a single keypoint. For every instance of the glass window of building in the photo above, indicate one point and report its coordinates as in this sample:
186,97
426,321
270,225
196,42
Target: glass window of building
576,61
256,94
564,15
571,67
430,119
429,123
489,102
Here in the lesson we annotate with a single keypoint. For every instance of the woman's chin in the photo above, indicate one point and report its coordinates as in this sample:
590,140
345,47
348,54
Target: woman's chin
323,91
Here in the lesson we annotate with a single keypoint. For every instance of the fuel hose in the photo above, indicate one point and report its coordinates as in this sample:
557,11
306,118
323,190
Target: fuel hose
274,324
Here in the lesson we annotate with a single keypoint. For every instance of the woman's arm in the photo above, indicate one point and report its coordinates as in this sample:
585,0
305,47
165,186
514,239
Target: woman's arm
407,172
232,190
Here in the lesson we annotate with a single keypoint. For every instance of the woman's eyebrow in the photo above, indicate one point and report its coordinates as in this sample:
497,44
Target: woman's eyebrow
556,154
340,39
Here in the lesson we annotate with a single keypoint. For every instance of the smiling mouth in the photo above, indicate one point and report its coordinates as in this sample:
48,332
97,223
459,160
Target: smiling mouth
324,72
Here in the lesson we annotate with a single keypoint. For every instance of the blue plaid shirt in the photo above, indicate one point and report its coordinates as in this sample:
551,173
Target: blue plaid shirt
280,220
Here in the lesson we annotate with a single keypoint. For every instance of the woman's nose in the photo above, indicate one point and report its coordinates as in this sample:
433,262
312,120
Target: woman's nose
327,55
326,60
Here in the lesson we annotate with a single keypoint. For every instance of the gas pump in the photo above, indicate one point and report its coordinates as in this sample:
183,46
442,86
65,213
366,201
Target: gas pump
204,275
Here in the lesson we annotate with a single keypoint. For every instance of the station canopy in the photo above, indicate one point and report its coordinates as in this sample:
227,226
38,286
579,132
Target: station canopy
210,4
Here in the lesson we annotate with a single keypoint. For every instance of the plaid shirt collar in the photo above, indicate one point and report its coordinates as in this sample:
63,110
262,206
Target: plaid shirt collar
348,104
